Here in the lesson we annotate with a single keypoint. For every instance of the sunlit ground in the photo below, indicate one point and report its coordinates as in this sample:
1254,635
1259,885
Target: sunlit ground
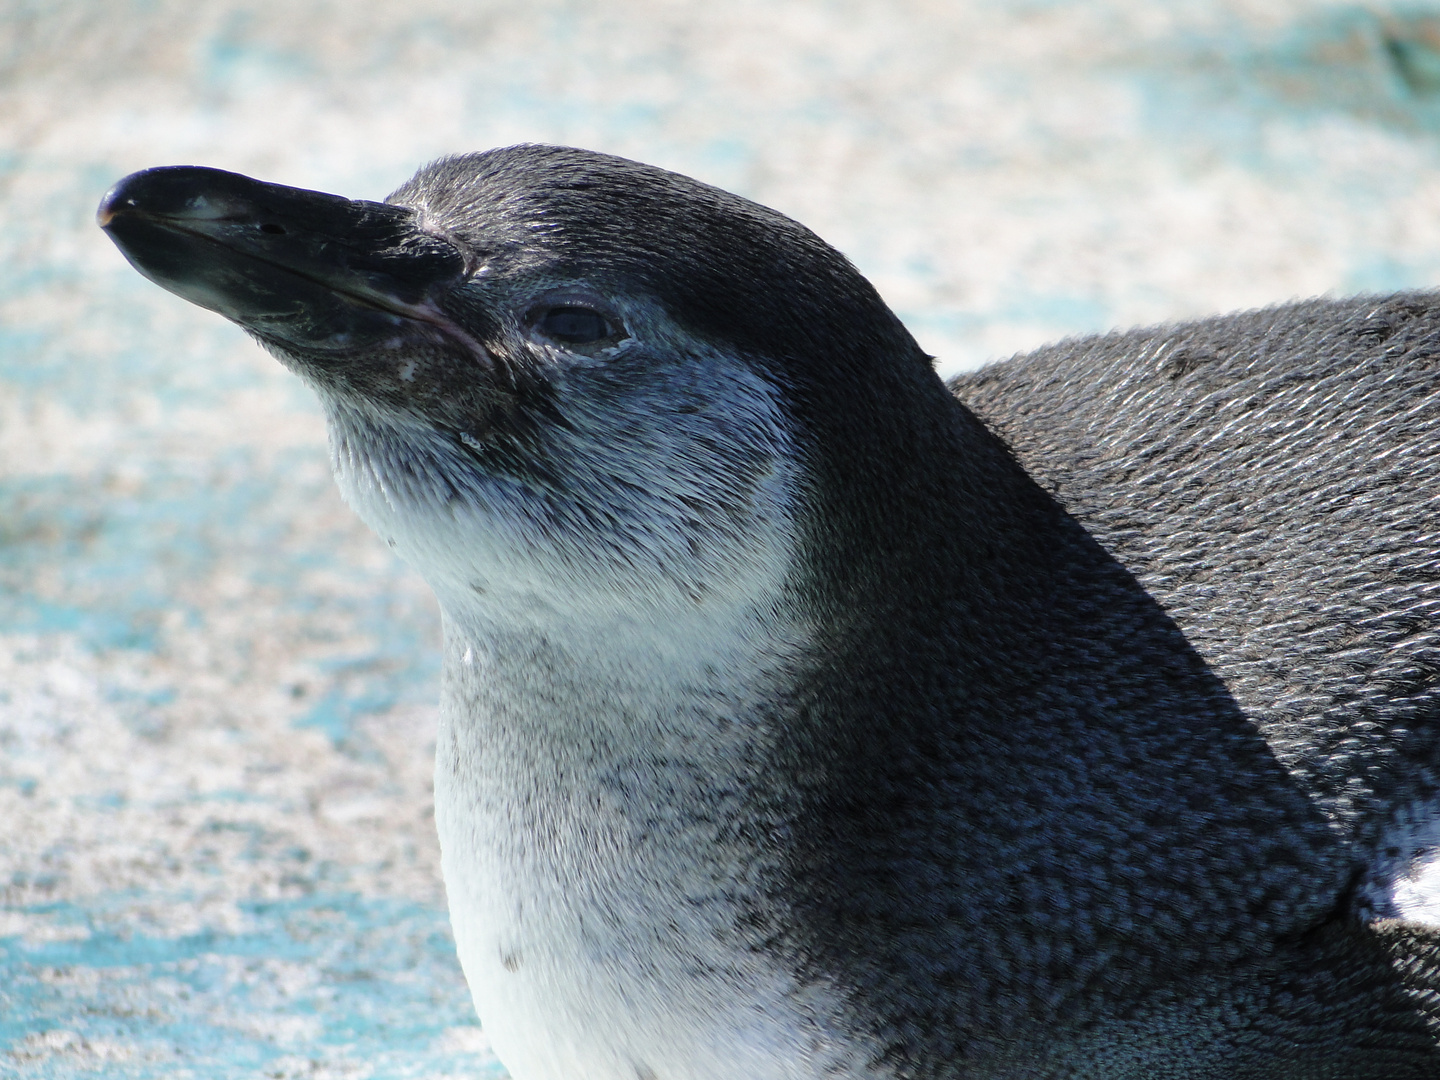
216,689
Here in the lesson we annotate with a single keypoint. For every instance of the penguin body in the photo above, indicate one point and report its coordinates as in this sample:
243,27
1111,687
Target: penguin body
799,720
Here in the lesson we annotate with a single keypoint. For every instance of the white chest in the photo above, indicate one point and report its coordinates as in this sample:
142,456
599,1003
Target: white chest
609,914
611,638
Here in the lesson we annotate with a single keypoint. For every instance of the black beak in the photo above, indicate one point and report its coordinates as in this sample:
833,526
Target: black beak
300,268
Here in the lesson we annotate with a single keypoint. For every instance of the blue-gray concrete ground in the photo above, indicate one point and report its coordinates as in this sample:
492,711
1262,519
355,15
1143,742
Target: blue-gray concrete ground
217,689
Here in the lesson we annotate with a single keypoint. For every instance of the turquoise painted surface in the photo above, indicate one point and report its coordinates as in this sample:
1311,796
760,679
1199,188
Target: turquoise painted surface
216,689
332,979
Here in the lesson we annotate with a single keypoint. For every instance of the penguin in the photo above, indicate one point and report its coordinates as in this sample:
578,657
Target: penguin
803,716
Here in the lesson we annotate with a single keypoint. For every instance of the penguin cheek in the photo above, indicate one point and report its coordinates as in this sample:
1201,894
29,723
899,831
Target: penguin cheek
335,330
397,363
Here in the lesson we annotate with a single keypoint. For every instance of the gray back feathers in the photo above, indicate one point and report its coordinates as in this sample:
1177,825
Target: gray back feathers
1273,480
1270,479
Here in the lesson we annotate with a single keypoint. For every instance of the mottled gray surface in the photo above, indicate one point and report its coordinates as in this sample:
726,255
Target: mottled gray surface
216,856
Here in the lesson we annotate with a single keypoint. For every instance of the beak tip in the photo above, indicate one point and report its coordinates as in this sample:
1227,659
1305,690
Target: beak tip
109,207
117,201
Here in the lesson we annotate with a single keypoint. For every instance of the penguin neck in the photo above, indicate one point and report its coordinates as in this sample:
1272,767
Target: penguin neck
940,513
644,679
565,667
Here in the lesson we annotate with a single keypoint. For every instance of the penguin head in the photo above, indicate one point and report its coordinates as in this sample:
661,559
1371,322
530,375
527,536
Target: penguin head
573,373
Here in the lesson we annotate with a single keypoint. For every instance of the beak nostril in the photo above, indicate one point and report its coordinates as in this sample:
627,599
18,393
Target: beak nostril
272,228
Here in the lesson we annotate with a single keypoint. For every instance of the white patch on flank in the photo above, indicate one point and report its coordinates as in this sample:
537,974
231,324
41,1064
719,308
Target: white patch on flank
1404,879
407,373
613,625
1417,895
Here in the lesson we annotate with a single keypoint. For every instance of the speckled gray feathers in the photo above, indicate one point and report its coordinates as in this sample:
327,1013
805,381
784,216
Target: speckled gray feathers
1273,480
1269,480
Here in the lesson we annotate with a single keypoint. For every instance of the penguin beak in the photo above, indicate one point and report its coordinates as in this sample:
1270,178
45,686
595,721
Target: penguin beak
298,268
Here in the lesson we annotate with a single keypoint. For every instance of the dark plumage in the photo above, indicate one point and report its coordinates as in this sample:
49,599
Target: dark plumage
799,720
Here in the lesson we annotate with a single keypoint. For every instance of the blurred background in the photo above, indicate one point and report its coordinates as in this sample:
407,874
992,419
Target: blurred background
217,689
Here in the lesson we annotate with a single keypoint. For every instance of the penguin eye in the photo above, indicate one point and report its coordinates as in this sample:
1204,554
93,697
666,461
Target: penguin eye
573,324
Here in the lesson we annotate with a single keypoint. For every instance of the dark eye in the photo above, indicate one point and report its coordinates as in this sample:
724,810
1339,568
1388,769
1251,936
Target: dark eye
574,325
